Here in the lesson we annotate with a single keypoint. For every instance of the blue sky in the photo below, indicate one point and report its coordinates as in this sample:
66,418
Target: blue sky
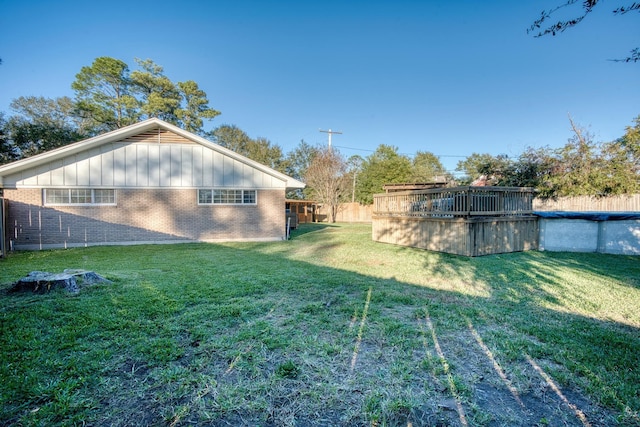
449,77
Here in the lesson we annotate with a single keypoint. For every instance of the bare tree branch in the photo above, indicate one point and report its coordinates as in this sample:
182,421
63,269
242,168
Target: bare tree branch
541,28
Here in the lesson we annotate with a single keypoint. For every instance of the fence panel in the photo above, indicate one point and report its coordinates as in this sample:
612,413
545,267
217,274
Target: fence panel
623,203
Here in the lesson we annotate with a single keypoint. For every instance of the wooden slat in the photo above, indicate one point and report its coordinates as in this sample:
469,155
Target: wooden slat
460,236
623,203
160,136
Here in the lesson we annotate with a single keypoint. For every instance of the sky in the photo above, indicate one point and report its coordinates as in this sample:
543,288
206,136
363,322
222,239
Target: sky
448,77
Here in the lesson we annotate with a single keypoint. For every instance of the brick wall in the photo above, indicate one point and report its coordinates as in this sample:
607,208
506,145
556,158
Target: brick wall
141,215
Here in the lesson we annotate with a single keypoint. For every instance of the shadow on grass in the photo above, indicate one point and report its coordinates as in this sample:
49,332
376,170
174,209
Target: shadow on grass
201,334
303,229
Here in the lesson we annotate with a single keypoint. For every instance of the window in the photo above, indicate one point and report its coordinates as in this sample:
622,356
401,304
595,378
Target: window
79,196
104,197
249,197
226,197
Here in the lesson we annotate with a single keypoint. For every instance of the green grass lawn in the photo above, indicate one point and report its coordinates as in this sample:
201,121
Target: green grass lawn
328,328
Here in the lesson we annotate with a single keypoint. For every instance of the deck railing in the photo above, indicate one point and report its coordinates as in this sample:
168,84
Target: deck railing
456,202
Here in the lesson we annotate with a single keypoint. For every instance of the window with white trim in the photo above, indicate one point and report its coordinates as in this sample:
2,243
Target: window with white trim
226,197
79,196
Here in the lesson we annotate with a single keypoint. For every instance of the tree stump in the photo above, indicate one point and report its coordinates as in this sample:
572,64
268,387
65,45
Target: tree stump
70,280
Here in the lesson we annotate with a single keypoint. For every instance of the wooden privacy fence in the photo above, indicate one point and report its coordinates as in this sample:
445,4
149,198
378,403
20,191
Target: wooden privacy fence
622,203
348,212
469,221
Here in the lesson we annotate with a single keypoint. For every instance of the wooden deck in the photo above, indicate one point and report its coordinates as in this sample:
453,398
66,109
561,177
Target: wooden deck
469,221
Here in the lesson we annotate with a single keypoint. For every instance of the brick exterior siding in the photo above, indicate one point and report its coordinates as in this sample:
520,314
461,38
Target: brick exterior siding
140,216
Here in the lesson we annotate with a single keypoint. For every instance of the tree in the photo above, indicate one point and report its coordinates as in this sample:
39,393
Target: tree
577,166
475,166
326,178
112,97
354,166
42,124
297,163
157,95
29,139
8,151
103,94
261,149
426,166
501,170
55,112
586,168
531,169
108,97
542,28
384,166
195,108
631,142
231,137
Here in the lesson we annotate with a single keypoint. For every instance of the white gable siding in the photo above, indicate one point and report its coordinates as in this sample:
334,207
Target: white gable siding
119,160
106,170
146,165
217,172
187,166
164,166
70,172
207,173
57,173
82,178
197,171
142,165
154,165
95,170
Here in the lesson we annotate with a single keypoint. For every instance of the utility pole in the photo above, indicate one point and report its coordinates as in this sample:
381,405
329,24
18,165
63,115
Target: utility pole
330,132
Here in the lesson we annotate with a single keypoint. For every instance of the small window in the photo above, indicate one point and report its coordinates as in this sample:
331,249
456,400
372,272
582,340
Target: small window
55,197
249,197
79,196
104,197
205,197
226,197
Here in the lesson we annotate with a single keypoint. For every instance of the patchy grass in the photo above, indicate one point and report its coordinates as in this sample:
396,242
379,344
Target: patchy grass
328,328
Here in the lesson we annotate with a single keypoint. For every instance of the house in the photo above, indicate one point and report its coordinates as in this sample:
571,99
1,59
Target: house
150,182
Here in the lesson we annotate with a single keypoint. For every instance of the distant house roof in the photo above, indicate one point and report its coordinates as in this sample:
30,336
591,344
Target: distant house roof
146,129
